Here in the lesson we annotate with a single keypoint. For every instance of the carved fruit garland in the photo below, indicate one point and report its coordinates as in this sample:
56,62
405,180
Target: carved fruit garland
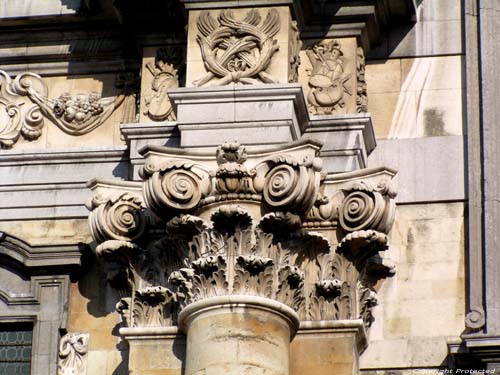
74,114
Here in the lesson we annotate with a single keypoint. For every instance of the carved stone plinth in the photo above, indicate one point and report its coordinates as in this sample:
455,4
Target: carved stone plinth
328,347
155,350
254,114
238,334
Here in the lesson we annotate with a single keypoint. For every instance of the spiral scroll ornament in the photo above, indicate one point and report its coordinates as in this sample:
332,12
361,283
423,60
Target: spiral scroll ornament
292,186
365,207
176,186
117,218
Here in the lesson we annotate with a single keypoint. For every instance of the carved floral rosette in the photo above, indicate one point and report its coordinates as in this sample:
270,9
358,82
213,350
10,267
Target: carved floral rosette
269,225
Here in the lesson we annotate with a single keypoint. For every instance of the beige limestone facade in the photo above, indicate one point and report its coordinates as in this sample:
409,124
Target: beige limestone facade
200,187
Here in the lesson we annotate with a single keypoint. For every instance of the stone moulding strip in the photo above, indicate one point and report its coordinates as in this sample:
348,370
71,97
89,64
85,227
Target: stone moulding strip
62,156
40,255
234,301
322,326
150,333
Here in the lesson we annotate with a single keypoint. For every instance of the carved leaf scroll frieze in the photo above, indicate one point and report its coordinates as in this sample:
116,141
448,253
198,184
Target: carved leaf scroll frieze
236,50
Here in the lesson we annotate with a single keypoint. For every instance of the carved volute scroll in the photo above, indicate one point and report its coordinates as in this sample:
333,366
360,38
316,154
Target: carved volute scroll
328,80
24,104
73,349
237,50
238,223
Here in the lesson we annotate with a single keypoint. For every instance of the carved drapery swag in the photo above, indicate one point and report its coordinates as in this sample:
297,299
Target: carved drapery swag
236,50
24,104
73,349
266,224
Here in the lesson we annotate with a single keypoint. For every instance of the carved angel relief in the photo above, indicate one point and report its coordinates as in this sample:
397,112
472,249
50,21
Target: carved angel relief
235,50
248,227
327,81
73,114
165,71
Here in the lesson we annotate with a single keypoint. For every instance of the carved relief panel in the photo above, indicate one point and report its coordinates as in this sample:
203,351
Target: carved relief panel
240,46
332,74
53,111
163,68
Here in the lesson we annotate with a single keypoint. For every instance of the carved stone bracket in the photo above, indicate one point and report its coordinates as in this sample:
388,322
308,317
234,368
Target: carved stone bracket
268,225
73,349
74,114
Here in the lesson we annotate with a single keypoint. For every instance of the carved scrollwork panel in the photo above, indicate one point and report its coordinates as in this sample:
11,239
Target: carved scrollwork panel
26,103
73,349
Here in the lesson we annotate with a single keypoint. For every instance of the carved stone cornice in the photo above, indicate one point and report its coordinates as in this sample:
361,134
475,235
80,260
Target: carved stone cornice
261,223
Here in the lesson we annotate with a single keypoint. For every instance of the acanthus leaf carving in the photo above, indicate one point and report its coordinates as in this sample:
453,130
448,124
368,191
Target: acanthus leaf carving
153,307
73,349
235,50
245,246
327,81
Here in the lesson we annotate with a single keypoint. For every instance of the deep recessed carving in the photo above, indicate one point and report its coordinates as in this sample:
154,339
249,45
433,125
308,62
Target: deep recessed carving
235,50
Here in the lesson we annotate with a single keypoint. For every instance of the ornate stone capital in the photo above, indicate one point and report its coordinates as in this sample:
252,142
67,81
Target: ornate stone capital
266,224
